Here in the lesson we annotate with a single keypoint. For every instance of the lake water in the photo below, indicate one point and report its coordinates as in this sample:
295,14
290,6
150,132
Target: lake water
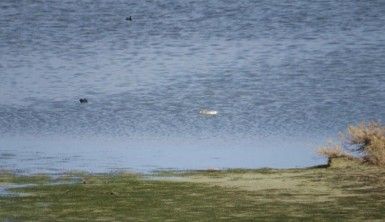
284,77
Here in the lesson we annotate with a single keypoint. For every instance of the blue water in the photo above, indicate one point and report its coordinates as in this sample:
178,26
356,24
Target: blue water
284,77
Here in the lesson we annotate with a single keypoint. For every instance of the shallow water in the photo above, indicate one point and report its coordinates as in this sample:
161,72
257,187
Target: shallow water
284,76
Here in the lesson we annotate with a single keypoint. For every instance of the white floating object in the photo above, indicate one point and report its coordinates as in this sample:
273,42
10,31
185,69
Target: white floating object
208,112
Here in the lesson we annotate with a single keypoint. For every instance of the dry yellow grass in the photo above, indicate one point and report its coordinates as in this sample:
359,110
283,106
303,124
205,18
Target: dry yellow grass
331,151
367,139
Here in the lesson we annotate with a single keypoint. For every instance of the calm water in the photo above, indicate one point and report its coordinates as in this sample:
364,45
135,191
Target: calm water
283,75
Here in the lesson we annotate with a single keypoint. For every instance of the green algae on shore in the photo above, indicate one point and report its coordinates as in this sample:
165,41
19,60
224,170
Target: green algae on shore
342,191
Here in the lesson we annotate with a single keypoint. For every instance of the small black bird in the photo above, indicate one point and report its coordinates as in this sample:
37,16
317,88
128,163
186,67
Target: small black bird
83,100
128,18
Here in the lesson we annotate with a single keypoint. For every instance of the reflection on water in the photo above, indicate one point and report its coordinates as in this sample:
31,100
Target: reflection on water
59,154
281,69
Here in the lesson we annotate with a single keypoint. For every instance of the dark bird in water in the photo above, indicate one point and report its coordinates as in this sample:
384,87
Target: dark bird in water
129,18
83,100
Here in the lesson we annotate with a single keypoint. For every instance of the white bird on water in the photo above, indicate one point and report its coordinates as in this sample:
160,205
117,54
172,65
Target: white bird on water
208,112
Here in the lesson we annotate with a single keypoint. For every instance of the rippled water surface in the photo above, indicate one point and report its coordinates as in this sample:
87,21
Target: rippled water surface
283,76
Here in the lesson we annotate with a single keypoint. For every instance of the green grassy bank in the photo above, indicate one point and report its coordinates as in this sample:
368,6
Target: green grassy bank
344,190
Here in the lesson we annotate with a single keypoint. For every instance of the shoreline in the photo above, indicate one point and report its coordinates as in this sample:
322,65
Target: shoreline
345,189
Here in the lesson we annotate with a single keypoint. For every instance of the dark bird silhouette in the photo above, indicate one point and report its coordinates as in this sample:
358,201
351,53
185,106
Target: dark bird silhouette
129,18
83,100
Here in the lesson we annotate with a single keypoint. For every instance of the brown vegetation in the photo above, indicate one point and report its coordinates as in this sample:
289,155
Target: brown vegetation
366,139
332,151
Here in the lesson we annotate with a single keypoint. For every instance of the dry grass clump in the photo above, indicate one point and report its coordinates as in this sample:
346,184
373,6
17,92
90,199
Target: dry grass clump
332,151
367,139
